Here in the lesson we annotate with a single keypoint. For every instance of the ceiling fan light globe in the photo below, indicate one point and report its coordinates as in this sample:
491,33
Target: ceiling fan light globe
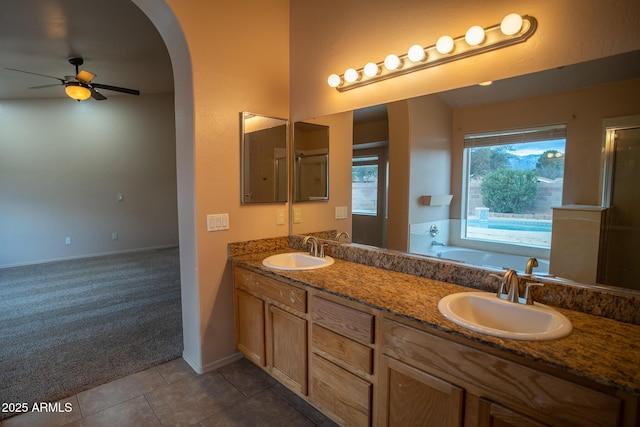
77,92
85,76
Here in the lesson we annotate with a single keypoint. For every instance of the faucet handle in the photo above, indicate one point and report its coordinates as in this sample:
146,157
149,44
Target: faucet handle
528,300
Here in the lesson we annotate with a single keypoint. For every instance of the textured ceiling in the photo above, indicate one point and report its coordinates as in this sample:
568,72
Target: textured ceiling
116,40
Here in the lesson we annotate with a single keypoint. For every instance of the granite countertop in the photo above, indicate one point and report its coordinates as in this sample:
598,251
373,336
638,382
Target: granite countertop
600,349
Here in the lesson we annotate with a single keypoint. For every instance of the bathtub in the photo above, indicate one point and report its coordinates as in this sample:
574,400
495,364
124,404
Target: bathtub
492,259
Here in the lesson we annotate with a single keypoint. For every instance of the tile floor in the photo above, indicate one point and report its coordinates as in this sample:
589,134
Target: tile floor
172,394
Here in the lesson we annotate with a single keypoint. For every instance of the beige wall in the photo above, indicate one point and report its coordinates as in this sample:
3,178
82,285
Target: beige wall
330,36
63,164
431,133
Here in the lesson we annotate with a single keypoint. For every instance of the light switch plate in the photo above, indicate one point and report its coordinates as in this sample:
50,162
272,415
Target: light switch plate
280,217
218,222
341,212
297,215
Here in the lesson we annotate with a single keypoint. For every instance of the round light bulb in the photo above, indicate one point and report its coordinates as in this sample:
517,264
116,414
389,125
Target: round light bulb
371,69
416,53
334,80
511,24
391,62
351,75
474,35
444,45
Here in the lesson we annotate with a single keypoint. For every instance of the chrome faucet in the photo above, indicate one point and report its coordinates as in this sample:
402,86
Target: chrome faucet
436,243
531,262
342,233
313,244
512,284
510,288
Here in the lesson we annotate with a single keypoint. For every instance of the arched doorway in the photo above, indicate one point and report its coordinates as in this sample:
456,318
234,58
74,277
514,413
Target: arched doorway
161,15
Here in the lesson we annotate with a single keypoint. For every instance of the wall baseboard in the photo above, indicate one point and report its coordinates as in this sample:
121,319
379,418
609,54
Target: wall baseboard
213,365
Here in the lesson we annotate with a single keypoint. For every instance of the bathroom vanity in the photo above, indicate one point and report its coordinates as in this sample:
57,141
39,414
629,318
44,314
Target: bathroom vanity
367,346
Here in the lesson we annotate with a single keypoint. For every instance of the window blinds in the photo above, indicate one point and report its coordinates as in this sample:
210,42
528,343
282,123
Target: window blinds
516,136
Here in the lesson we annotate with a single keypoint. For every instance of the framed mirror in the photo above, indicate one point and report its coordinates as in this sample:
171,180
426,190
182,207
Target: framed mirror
263,145
311,162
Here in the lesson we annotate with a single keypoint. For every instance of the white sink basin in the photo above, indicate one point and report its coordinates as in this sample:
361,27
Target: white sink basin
484,312
296,261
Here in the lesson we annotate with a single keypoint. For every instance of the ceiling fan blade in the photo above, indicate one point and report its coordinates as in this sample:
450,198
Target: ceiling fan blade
36,74
45,86
85,76
97,95
116,89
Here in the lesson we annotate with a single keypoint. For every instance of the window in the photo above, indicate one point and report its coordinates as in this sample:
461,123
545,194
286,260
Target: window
364,187
513,179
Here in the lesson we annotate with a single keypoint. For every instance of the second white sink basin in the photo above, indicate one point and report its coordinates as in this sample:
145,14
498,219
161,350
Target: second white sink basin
484,312
296,261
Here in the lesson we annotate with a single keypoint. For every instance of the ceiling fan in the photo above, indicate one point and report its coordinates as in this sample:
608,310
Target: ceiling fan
80,86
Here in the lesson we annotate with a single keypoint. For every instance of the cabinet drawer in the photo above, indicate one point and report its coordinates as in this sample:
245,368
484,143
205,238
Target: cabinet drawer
344,396
342,319
270,289
522,388
357,356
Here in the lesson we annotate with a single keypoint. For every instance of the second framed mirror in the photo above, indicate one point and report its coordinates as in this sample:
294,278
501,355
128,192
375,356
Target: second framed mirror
311,162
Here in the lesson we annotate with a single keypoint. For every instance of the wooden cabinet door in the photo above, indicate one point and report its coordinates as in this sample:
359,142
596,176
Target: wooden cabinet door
289,349
249,316
410,397
494,415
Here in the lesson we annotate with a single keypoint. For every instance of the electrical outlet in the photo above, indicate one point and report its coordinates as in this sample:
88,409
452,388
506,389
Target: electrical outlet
114,236
67,240
280,217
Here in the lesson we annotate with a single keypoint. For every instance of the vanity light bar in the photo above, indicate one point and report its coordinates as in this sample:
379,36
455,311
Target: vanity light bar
512,30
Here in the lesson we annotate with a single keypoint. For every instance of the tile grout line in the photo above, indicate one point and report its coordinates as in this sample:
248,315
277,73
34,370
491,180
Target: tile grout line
271,389
152,409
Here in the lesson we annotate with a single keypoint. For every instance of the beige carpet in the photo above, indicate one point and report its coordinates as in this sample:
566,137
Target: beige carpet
71,325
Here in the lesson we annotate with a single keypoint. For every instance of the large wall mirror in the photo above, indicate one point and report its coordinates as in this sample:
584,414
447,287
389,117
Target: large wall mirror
263,142
311,162
426,160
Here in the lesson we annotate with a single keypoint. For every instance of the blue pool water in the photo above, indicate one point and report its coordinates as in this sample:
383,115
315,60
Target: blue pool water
511,224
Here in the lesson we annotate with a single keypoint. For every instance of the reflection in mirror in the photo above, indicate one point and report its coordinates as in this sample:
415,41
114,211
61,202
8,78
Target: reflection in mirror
263,158
580,96
369,187
311,161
